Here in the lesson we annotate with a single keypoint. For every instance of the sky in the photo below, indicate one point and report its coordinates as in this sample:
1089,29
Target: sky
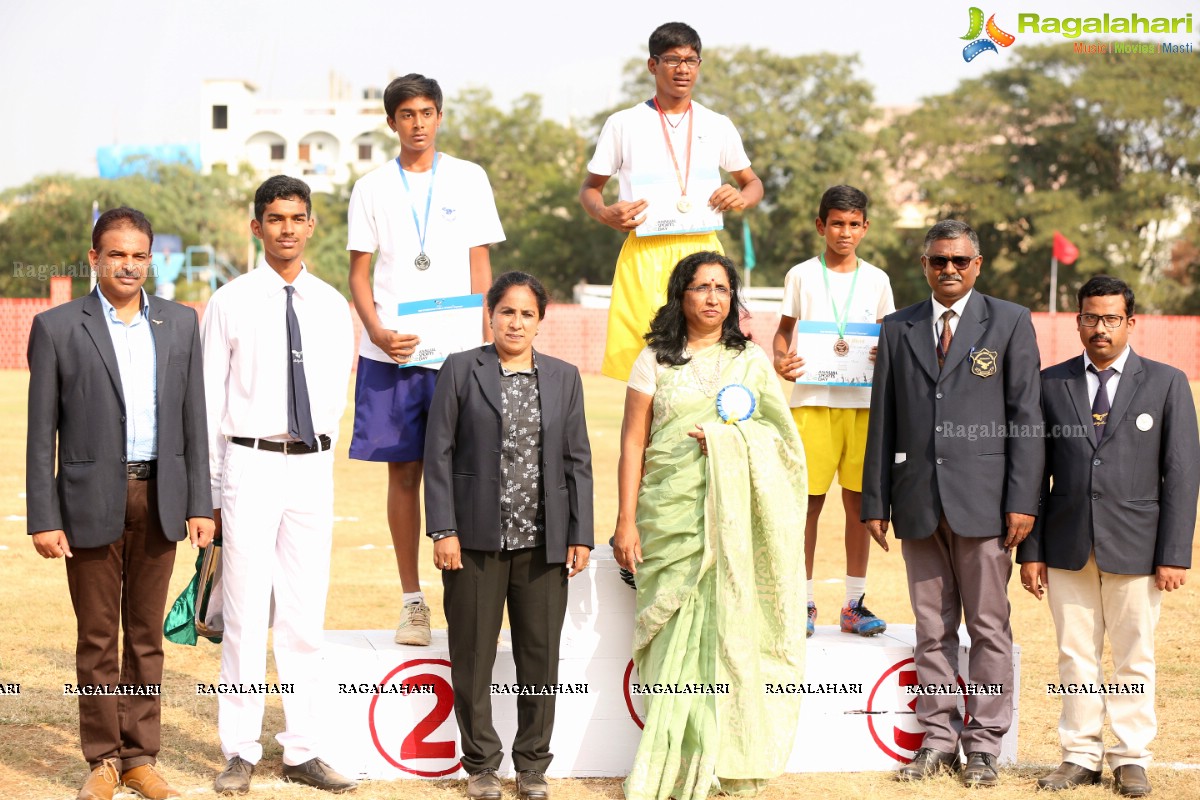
78,76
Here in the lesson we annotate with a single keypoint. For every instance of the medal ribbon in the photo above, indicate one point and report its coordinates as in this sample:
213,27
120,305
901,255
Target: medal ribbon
845,317
687,176
428,199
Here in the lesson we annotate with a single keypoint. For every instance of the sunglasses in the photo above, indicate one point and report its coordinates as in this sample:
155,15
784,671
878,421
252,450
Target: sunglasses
940,262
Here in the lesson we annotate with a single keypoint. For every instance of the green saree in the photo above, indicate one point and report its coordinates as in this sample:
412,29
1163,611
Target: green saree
720,593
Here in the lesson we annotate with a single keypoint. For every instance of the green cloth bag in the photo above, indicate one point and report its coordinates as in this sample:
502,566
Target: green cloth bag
180,624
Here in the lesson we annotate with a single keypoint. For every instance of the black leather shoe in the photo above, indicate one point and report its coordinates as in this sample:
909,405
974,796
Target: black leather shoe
1068,776
1130,781
235,778
316,772
531,785
980,770
484,785
927,763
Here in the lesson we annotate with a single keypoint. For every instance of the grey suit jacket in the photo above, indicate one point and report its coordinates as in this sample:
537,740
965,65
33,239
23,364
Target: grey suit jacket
75,397
462,453
1133,497
964,440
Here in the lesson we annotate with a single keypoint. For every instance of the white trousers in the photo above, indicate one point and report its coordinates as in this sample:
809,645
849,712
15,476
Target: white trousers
1085,605
277,530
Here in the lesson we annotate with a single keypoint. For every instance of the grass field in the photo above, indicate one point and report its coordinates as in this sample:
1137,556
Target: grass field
39,747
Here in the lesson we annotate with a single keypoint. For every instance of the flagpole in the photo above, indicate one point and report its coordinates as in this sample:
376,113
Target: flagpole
1053,286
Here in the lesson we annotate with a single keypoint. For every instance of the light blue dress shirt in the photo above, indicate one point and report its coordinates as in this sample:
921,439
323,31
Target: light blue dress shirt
138,365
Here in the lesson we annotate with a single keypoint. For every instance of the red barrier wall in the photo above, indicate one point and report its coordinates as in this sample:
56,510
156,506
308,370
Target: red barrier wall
576,334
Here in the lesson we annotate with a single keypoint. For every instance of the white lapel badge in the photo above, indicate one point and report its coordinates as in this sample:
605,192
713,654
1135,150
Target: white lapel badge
1144,422
157,321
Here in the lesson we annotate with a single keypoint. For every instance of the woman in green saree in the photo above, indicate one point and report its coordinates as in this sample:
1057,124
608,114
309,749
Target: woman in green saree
710,521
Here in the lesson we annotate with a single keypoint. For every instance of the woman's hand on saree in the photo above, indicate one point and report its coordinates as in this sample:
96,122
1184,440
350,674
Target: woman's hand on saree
627,546
698,435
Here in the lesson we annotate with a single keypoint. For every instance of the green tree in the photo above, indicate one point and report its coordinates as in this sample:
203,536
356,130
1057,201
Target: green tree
48,221
803,121
1105,149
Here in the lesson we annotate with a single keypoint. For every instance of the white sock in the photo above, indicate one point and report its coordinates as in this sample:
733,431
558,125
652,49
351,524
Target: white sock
414,597
809,584
855,588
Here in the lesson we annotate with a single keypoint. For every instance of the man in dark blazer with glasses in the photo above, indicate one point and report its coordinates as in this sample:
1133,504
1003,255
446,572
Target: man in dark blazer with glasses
954,458
1115,532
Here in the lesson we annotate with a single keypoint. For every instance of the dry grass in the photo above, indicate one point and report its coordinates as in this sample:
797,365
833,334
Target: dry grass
39,752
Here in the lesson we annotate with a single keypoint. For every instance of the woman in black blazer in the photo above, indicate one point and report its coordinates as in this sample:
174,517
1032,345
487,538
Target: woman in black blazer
508,503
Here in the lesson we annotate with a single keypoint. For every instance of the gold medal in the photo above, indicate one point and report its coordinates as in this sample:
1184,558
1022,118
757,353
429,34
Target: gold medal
684,205
841,347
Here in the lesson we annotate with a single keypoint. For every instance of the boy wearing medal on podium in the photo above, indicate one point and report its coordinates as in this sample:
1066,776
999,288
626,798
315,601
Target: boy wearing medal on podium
667,134
840,287
431,217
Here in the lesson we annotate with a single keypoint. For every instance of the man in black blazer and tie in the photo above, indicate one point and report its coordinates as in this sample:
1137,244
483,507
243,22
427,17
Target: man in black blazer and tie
1115,532
954,457
116,378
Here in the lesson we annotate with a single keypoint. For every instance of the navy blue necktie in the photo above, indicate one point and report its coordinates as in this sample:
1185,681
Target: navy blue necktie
1101,405
300,424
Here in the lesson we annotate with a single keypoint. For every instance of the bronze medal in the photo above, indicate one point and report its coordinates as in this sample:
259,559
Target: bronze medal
841,347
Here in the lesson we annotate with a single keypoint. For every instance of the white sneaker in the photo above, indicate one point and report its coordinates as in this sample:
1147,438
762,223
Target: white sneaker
414,624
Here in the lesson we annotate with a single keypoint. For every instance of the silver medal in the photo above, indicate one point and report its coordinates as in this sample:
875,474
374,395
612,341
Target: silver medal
422,262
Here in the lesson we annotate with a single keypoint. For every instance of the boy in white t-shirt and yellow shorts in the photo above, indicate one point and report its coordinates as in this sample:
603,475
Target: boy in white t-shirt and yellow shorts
669,134
836,286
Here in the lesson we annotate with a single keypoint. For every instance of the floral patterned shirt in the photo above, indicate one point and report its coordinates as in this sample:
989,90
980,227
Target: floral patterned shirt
522,519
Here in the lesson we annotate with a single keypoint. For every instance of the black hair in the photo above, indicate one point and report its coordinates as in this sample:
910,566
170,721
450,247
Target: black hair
123,217
668,330
510,279
406,88
951,229
281,187
1104,286
843,198
673,34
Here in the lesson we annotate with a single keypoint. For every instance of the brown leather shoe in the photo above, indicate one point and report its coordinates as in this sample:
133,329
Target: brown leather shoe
146,781
1068,776
484,785
103,781
927,763
531,785
316,772
980,770
1130,781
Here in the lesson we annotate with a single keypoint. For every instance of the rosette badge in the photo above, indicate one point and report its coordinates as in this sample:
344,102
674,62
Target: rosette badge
735,403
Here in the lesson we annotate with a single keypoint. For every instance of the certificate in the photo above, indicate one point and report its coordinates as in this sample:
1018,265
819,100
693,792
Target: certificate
446,325
817,343
661,192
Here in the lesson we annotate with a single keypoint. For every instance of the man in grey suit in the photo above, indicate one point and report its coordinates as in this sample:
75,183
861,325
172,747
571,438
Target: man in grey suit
954,457
116,378
1115,532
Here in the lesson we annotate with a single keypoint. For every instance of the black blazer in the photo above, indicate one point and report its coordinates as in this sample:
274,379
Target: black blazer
1133,497
462,453
965,440
75,397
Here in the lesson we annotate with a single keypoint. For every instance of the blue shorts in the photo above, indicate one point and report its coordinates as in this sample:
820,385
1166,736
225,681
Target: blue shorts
391,411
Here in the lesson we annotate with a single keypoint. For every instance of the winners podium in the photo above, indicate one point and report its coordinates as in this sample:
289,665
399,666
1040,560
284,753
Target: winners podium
388,709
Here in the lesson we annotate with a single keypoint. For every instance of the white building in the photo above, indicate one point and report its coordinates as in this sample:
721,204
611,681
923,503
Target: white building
319,142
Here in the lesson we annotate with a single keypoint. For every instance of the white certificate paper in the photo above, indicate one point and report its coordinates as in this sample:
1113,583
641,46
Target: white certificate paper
815,341
661,191
446,325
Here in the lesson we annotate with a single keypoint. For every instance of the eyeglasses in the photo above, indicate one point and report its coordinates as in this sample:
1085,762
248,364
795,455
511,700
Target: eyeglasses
1111,321
940,262
674,61
709,288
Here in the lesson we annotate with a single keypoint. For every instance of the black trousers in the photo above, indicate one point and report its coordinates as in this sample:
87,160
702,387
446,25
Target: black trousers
474,598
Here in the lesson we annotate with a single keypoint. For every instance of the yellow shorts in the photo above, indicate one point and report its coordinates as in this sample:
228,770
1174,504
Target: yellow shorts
639,290
835,440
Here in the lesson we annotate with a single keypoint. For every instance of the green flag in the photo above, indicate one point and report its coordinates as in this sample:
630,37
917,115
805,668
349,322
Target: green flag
748,260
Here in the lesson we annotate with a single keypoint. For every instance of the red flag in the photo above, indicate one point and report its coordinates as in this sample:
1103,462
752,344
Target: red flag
1064,251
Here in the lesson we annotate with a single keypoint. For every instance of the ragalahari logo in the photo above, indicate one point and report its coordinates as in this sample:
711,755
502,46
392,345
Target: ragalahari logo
979,45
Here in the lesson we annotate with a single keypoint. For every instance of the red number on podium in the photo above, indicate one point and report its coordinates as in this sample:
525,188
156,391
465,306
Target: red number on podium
415,745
